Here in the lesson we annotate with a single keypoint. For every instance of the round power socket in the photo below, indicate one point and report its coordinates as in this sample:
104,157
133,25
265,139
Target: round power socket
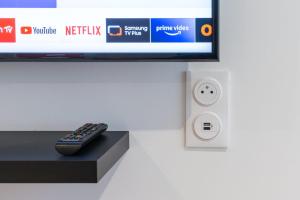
207,92
207,126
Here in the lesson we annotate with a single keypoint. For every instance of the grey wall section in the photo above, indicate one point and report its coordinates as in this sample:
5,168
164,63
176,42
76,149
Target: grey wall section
259,44
135,96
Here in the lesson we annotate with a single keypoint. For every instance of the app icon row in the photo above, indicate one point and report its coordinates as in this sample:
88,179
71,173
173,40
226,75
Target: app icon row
159,30
124,30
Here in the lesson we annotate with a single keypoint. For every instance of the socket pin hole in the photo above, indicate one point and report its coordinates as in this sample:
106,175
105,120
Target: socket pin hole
211,92
202,92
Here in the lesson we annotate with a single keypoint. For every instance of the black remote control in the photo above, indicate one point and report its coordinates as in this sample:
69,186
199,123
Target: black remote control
74,142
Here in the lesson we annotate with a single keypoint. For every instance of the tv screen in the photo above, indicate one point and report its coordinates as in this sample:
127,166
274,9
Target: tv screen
100,30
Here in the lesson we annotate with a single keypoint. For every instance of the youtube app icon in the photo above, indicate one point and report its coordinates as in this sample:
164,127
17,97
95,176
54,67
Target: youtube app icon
26,30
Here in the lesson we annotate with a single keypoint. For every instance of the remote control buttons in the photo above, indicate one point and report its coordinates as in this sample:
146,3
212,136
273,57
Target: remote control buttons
74,142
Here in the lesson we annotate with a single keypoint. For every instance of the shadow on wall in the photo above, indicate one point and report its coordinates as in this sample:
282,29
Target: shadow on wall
61,96
114,185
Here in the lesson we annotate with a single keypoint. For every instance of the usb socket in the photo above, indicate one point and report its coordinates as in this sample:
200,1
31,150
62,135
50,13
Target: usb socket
207,126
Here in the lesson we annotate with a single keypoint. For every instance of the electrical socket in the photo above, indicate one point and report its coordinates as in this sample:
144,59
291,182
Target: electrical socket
207,111
207,126
207,91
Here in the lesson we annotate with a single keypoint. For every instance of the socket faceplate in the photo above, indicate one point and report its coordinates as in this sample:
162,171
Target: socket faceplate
207,91
207,109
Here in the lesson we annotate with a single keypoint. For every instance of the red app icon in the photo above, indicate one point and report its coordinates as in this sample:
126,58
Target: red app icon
26,30
7,30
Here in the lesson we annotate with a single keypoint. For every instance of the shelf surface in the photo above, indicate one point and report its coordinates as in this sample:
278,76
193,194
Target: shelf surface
30,157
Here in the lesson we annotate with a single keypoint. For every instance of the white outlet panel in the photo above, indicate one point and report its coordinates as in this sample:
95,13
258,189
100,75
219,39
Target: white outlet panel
207,92
207,126
207,109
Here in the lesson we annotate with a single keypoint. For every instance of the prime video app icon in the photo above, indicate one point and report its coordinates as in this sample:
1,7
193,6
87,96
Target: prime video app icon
173,30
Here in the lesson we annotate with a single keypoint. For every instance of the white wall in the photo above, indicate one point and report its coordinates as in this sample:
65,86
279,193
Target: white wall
259,44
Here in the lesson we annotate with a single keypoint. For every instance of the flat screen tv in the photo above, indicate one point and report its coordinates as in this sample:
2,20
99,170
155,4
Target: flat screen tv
105,30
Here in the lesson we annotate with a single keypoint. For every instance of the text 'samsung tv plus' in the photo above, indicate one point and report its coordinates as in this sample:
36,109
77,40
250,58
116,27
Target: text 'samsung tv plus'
99,30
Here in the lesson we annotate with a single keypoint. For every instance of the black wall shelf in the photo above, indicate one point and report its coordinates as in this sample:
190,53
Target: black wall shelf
30,157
